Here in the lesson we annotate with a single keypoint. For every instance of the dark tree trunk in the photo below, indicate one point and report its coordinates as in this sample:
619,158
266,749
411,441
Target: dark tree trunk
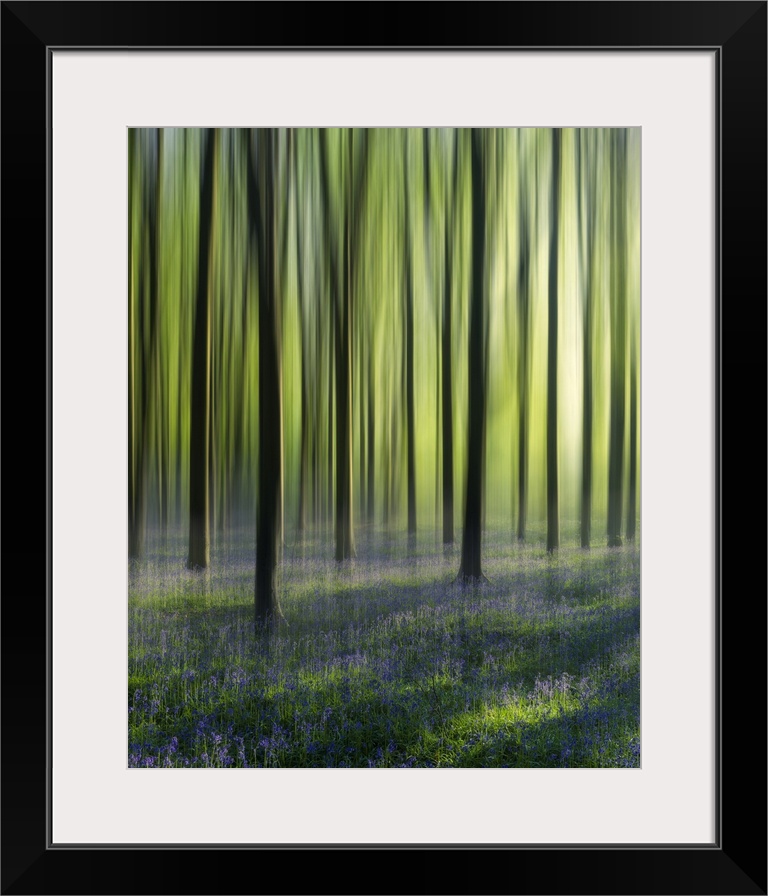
632,486
151,422
553,511
330,427
587,159
409,396
586,460
471,568
523,345
199,447
447,394
345,548
262,229
301,520
341,283
361,416
409,399
618,324
160,421
447,355
145,427
371,437
136,485
304,423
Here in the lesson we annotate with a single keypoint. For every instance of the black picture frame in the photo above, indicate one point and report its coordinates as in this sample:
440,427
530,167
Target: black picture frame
736,862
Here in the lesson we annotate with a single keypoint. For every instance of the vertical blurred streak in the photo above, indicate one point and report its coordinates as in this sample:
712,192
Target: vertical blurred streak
329,281
373,297
143,419
270,437
301,514
360,367
199,457
281,281
587,159
409,396
319,285
343,307
235,372
330,418
151,429
181,446
523,336
133,540
310,373
371,428
632,486
553,521
632,336
471,566
447,345
217,310
158,391
330,250
357,187
429,268
618,338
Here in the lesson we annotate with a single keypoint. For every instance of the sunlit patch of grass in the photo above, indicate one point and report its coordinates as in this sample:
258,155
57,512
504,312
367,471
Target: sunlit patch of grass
389,663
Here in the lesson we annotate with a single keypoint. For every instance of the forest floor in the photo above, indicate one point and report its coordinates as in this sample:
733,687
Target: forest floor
385,661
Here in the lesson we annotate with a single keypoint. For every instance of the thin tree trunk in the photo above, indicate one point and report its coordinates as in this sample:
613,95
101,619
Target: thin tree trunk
342,304
371,436
586,460
616,445
261,204
409,396
361,415
135,532
345,548
199,531
588,160
632,486
447,394
553,511
331,391
471,566
304,423
301,521
523,344
447,353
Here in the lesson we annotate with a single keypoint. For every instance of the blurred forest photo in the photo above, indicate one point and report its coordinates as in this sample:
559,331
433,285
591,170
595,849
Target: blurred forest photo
384,448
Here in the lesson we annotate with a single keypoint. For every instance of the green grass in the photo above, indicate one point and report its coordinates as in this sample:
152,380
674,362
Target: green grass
387,662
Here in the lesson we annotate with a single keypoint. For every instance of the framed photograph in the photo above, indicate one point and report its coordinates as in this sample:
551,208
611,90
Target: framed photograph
113,114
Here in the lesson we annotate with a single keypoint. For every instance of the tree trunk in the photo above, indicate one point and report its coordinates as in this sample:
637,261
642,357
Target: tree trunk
471,568
135,472
523,344
447,395
330,426
371,437
447,354
632,493
587,158
341,284
261,206
586,460
301,520
618,296
553,520
304,422
345,548
409,397
199,531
